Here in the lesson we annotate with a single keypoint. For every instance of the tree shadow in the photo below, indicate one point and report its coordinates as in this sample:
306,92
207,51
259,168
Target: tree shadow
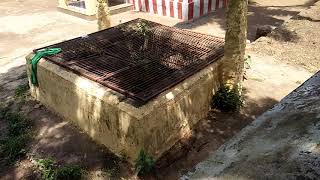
207,136
52,137
257,16
299,17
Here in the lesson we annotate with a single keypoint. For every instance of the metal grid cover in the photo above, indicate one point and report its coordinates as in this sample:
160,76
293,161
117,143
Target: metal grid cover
140,58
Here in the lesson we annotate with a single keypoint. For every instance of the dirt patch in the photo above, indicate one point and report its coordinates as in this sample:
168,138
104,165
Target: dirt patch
207,136
296,42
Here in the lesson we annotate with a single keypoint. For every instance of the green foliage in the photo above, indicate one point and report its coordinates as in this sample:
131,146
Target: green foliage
144,163
47,169
227,100
3,111
69,173
142,28
21,90
17,124
13,145
51,172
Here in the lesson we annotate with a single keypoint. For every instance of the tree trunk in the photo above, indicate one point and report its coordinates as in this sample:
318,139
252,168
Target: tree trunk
103,15
235,44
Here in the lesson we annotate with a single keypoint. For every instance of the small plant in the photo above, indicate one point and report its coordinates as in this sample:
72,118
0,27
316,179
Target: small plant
51,172
13,145
144,163
21,90
247,62
17,124
47,169
227,100
142,28
69,172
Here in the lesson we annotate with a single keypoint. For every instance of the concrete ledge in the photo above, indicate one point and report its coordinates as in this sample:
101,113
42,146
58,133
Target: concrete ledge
110,119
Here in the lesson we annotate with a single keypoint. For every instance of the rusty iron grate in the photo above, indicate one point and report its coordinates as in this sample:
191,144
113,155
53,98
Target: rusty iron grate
139,59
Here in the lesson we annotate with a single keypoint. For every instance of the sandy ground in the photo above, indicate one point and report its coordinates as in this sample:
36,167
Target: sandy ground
296,41
23,29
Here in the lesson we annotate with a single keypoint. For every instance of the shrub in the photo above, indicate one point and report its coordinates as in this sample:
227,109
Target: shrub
144,163
47,169
227,100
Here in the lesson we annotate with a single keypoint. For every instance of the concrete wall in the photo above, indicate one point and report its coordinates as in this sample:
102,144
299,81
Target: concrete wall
124,129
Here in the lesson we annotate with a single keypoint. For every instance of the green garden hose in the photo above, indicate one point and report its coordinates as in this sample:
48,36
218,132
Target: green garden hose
36,58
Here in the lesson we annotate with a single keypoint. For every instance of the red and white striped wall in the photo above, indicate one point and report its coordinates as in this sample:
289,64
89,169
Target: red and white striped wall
181,9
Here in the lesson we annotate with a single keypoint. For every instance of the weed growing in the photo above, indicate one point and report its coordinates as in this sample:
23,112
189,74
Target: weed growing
227,100
22,90
69,172
49,171
247,62
47,168
13,146
144,163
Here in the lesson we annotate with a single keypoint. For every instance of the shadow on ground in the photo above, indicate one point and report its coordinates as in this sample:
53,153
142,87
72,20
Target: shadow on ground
257,16
66,144
208,135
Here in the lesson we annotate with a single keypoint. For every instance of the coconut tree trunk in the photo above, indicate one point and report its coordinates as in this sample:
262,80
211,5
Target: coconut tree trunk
235,44
103,14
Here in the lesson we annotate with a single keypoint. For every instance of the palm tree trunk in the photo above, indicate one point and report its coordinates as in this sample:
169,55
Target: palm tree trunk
103,15
235,44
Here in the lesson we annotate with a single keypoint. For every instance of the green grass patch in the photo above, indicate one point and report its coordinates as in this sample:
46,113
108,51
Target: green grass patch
69,172
13,145
21,90
47,168
227,100
49,171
